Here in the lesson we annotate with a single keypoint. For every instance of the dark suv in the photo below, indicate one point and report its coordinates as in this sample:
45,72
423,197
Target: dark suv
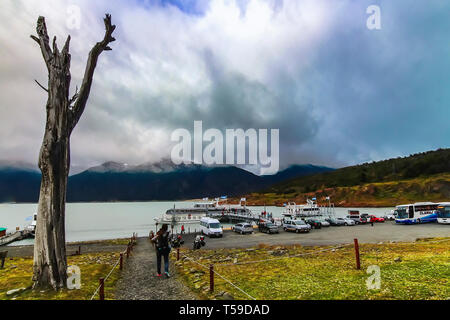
268,227
314,223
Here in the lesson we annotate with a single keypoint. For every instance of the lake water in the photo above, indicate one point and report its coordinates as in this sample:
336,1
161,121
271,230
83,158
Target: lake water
110,220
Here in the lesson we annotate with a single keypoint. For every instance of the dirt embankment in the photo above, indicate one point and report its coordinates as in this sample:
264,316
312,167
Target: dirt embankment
382,194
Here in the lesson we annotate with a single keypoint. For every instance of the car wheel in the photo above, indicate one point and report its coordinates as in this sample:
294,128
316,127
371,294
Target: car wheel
345,224
296,230
419,221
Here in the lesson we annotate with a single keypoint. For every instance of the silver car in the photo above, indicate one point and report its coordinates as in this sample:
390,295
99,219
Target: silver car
347,221
296,225
243,228
324,223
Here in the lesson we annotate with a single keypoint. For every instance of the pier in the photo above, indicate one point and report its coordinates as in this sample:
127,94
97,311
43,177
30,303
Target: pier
15,236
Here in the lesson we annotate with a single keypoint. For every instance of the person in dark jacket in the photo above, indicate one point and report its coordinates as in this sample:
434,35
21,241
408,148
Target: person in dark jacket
162,250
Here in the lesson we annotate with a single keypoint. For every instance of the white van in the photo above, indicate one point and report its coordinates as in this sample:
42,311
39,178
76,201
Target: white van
211,227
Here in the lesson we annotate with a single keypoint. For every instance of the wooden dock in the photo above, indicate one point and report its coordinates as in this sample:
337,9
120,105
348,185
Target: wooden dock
15,236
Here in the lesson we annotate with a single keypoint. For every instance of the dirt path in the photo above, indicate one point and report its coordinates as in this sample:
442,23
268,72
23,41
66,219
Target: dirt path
138,280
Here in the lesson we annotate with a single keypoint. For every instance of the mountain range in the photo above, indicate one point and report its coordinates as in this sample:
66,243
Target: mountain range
113,181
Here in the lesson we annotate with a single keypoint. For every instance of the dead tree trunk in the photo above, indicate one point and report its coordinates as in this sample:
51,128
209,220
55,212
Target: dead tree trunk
63,113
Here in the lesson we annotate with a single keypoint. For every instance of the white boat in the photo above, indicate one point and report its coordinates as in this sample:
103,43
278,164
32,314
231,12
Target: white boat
310,209
201,209
32,226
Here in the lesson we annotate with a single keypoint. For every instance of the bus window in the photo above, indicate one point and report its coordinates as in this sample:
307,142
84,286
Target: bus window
411,212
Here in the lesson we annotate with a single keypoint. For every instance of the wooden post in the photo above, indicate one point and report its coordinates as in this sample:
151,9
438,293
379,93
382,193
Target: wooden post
128,251
211,278
121,261
101,292
358,264
79,249
178,254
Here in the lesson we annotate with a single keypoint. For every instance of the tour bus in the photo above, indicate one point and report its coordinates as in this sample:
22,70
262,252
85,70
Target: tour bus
419,212
444,213
211,227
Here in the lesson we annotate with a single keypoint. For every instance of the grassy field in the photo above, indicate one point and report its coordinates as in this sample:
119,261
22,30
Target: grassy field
18,271
419,270
378,194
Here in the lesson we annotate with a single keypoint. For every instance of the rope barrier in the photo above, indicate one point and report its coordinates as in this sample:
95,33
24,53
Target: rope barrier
258,261
114,266
225,279
279,258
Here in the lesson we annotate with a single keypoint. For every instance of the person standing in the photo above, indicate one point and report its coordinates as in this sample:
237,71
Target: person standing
182,229
162,250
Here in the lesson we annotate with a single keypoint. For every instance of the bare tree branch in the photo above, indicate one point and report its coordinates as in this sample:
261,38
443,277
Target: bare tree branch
75,97
85,88
40,85
43,40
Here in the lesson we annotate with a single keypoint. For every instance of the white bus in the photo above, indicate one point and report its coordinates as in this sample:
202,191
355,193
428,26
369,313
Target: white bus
419,212
444,213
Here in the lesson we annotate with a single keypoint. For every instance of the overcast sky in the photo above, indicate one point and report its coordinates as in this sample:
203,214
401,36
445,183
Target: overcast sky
339,93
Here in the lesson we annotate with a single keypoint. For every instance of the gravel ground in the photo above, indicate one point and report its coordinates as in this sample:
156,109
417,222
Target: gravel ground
138,280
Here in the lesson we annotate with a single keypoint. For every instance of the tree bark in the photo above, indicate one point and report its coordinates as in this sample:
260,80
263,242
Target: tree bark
63,113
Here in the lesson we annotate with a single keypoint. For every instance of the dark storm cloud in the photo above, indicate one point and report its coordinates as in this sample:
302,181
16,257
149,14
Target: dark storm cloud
338,92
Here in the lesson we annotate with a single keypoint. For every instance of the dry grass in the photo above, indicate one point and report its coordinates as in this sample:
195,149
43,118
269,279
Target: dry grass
17,273
422,273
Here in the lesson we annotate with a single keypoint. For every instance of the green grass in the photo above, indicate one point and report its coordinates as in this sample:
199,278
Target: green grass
423,273
17,273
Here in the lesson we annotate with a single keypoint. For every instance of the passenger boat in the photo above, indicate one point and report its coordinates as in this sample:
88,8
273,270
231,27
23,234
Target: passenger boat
32,226
204,208
310,209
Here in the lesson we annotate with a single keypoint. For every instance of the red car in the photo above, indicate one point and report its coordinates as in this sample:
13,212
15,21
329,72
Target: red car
375,219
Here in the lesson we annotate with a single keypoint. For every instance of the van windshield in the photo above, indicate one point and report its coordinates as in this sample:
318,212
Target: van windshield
214,225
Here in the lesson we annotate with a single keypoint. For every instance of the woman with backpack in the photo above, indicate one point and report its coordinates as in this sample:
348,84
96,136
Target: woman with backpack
162,250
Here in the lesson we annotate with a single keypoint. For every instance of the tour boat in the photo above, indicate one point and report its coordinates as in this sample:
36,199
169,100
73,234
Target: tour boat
201,209
310,209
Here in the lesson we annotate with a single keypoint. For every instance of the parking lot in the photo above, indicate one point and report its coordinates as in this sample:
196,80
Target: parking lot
380,232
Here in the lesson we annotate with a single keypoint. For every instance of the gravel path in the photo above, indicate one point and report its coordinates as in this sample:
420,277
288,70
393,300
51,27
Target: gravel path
138,280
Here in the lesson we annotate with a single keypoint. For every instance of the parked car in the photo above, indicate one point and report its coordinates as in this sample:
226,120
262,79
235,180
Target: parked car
375,219
335,222
314,223
211,227
296,225
324,222
357,219
347,222
268,227
243,228
389,216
